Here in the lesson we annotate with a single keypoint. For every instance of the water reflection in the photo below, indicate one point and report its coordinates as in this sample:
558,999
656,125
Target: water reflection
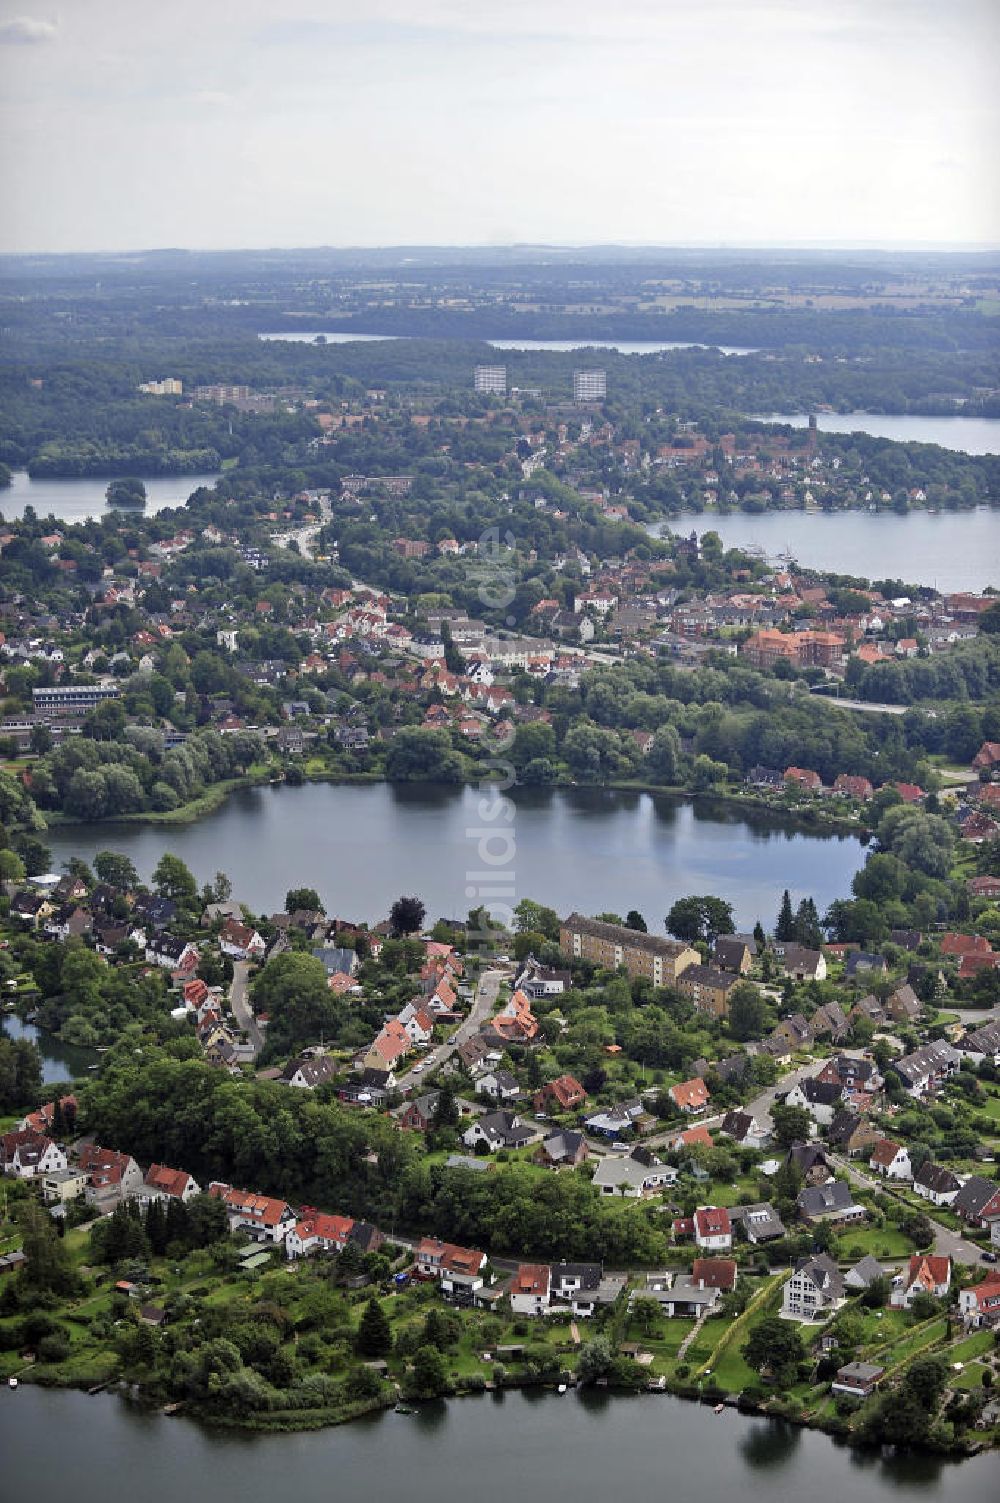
771,1443
59,1061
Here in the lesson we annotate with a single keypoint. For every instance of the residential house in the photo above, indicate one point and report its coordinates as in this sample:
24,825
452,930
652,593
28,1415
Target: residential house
831,1202
903,1005
583,1286
859,1379
241,941
498,1130
744,1129
978,1201
793,1032
564,1094
692,1096
923,1071
851,1133
814,1290
458,1270
531,1289
498,1085
111,1176
733,954
925,1274
802,963
891,1159
979,1304
26,1154
418,1115
318,1232
981,1044
63,1185
713,1229
819,1098
309,1071
936,1183
714,1273
172,953
614,1120
811,1162
830,1020
632,1177
161,1183
262,1217
760,1222
563,1148
864,1273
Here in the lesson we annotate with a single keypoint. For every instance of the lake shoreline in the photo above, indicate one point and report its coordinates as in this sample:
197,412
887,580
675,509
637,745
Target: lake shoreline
293,1422
805,821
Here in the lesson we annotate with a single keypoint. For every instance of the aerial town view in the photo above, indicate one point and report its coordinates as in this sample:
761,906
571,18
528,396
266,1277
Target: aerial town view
500,751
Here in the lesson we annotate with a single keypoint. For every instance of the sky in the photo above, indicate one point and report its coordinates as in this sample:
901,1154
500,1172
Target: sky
127,124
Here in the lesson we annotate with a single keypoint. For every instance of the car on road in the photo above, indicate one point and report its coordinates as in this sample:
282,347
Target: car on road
989,1257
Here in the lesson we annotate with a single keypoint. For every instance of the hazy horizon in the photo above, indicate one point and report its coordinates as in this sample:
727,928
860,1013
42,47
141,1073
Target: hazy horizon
823,124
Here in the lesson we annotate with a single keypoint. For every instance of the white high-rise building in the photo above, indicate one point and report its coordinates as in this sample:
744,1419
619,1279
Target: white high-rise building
492,378
589,386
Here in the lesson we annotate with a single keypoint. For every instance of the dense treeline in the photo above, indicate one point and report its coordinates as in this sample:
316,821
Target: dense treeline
179,1111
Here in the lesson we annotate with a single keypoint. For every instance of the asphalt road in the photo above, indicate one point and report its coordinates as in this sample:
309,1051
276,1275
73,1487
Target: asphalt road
239,1001
946,1242
482,1007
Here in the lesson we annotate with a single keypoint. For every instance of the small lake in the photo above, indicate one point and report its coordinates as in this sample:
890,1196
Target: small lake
80,498
562,346
491,1449
970,435
948,550
59,1061
362,846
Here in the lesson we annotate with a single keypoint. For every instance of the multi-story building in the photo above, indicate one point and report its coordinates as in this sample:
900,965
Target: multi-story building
612,945
491,379
589,386
168,387
815,1289
806,649
72,699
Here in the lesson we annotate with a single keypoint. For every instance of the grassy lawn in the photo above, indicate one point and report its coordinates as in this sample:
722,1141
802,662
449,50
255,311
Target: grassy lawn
969,1377
973,1346
923,1336
880,1241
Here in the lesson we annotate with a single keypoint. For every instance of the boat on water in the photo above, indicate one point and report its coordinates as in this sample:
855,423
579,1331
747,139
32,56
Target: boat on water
11,1382
403,1409
719,1408
561,1388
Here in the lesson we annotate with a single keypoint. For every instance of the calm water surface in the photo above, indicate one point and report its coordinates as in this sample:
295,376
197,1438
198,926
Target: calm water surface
489,1450
592,849
623,346
59,1061
949,550
972,435
79,499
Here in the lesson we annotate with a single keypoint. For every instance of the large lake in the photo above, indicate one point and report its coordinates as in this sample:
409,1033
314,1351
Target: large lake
518,1445
78,499
563,346
592,849
971,435
949,550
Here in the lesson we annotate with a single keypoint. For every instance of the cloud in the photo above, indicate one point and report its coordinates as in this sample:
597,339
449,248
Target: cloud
213,98
25,31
